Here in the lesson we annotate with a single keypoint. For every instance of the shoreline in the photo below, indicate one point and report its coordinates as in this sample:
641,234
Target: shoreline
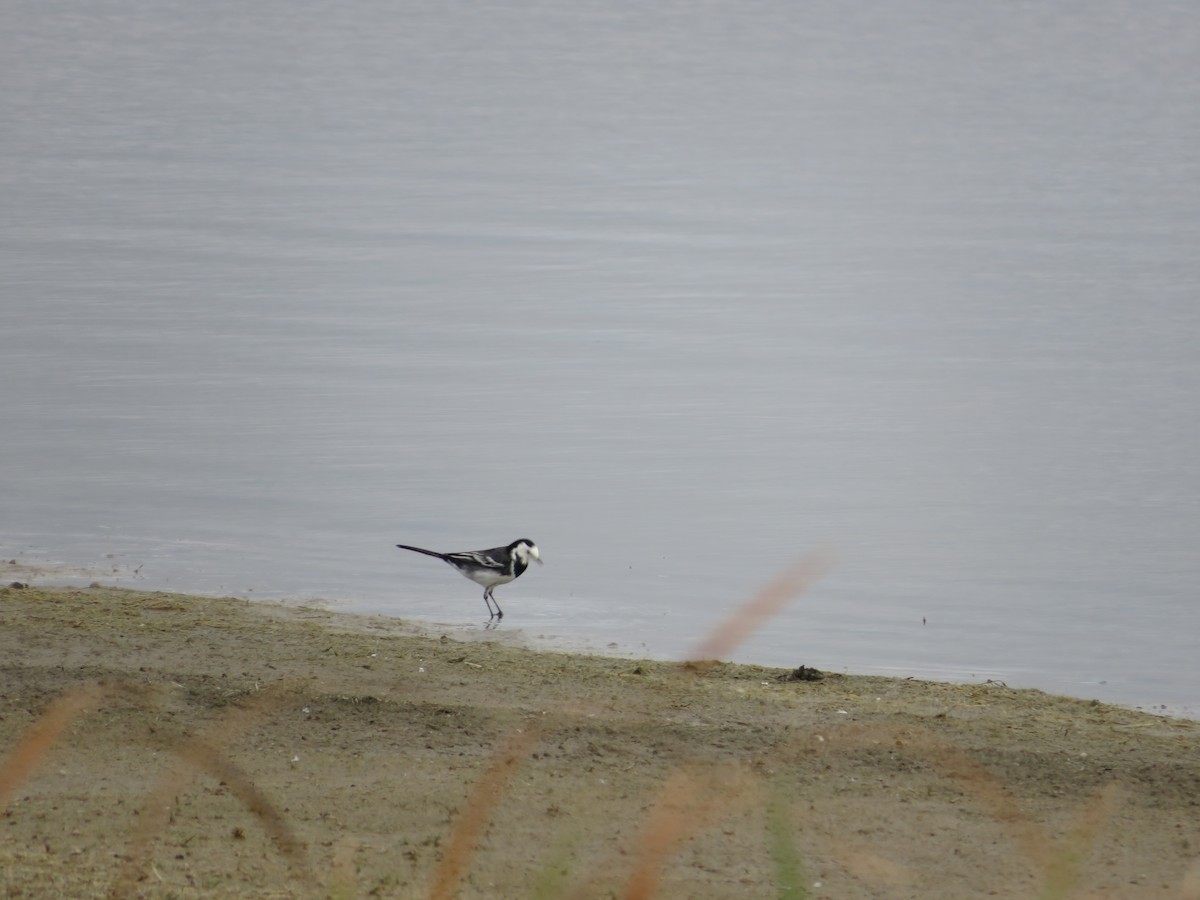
581,646
53,576
368,739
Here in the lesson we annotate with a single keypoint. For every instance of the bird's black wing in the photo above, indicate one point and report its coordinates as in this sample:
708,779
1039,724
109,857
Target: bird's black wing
497,558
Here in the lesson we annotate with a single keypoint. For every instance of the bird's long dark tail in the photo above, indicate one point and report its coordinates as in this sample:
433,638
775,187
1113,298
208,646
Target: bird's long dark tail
422,550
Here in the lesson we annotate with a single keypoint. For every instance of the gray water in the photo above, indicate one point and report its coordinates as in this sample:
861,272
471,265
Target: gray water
679,291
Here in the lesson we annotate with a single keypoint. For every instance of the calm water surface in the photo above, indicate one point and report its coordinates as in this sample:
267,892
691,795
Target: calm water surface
681,292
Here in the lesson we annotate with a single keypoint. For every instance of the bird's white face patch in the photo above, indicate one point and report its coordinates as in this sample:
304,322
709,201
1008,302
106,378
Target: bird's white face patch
529,551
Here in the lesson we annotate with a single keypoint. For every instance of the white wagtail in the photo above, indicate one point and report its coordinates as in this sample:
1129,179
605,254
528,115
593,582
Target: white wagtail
489,568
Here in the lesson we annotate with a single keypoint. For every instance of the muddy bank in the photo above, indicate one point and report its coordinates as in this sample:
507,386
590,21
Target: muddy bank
218,748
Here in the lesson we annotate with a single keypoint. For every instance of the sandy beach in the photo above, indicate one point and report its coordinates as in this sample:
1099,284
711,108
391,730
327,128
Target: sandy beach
161,745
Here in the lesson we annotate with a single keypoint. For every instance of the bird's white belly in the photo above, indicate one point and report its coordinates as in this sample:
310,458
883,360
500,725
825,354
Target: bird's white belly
489,579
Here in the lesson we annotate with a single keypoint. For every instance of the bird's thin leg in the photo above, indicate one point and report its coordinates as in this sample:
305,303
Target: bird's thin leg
487,599
499,611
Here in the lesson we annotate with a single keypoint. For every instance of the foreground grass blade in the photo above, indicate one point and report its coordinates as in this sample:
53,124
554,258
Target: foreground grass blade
756,611
49,727
1058,863
688,801
1066,867
480,803
203,753
788,872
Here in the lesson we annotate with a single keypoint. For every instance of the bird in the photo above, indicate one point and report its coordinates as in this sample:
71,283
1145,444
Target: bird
489,568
